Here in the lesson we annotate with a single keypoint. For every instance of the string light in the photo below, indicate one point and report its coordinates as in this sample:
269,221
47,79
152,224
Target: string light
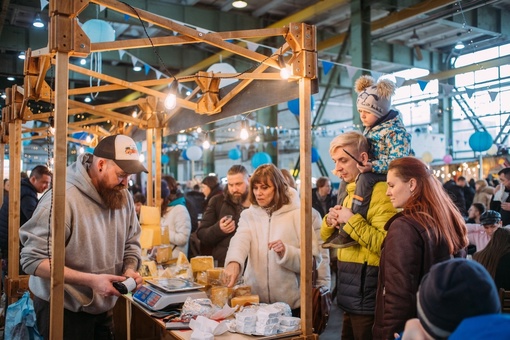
244,132
171,98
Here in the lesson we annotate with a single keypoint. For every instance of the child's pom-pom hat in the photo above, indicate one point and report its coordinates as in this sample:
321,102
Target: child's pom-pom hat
374,97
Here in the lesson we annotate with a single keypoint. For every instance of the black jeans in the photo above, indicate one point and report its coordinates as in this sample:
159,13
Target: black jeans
77,325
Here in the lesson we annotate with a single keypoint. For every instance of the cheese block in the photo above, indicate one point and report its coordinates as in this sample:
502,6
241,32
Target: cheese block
149,269
219,295
244,300
242,291
182,260
214,276
163,254
201,263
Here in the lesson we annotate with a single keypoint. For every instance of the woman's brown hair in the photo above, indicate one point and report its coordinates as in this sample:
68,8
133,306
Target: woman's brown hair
270,174
429,203
498,246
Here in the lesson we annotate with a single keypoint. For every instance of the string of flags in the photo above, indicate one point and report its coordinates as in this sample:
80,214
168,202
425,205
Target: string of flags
327,65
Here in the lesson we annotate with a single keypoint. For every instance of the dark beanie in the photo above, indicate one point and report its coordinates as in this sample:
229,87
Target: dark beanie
165,191
452,291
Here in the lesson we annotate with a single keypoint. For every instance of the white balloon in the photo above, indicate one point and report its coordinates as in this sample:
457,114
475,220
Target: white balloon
194,153
493,150
98,31
223,68
427,157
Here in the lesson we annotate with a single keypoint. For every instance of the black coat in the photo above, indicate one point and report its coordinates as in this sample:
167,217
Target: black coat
28,202
496,205
330,202
213,241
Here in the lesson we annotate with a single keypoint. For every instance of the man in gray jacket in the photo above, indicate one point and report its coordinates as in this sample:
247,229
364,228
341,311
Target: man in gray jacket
102,240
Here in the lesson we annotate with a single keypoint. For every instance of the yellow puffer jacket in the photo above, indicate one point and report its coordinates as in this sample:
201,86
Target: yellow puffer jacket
369,233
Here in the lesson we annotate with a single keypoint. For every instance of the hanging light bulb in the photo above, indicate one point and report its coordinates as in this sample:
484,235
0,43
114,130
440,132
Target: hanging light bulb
141,158
239,4
244,132
137,68
199,129
171,98
257,139
284,69
88,139
82,150
21,55
38,22
206,144
459,45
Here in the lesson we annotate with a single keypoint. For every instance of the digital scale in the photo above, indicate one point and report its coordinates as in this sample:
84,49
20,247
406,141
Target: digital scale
164,292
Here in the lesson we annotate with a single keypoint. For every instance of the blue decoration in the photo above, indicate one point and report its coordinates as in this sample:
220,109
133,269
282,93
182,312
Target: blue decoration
234,154
293,105
184,156
480,141
260,158
164,159
315,155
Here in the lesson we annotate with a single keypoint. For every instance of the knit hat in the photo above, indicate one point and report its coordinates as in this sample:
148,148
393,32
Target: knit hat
490,217
122,150
374,97
452,291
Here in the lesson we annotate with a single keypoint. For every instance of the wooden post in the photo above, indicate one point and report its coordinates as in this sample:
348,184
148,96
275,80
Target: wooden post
150,179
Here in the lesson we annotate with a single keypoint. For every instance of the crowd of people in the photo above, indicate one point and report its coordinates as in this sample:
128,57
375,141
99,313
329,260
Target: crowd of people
389,243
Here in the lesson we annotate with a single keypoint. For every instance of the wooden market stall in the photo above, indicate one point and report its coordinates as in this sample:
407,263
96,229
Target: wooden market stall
258,87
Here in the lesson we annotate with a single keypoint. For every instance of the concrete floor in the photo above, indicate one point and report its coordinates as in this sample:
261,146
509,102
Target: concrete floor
333,330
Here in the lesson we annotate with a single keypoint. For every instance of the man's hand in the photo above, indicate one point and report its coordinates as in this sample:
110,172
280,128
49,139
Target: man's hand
227,224
332,217
135,275
505,206
102,284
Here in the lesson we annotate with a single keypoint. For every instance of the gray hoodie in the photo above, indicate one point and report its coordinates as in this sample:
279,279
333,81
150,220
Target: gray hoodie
98,240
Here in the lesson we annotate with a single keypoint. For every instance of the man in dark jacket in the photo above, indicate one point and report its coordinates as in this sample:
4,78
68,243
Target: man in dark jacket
456,193
322,199
37,183
219,222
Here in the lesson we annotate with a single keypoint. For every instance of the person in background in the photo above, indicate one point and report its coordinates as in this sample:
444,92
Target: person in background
452,291
322,199
216,229
495,257
6,189
175,218
267,244
420,235
474,212
456,193
324,270
197,197
290,179
139,200
501,199
479,235
210,187
483,193
102,240
37,183
358,266
469,193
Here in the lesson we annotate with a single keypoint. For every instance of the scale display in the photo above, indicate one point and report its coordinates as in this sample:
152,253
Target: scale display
154,298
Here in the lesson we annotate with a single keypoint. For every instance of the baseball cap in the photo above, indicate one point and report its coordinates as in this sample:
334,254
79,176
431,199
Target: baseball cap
122,150
490,217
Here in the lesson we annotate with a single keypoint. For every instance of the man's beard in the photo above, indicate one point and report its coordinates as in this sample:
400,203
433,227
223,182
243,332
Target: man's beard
113,198
238,199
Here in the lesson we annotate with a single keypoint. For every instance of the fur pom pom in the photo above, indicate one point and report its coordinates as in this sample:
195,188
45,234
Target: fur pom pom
386,88
363,82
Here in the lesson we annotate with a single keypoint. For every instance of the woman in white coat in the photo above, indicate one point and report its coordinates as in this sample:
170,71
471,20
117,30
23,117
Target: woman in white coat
269,237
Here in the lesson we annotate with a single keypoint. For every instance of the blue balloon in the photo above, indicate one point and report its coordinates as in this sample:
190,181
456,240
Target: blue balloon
184,156
315,155
260,158
164,159
293,105
480,141
234,154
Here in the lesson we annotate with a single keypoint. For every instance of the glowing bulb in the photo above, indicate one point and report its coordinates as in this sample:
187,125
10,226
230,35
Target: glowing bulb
199,129
141,158
284,73
170,101
206,144
83,61
257,139
52,130
82,150
244,134
87,100
88,139
134,114
239,4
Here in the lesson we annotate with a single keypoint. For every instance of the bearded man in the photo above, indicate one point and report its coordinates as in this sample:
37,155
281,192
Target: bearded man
102,243
219,222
